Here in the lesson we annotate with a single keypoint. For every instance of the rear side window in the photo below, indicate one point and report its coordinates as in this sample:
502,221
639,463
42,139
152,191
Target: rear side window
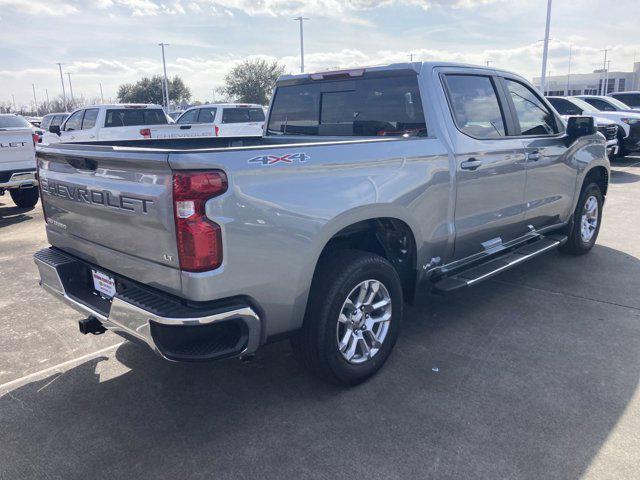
89,120
242,115
130,117
207,115
13,121
190,116
475,106
74,122
362,107
600,104
533,115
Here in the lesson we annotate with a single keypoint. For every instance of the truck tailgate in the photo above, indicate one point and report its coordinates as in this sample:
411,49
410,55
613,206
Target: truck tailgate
16,149
109,199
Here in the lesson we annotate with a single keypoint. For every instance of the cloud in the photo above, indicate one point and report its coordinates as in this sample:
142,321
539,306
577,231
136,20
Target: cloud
38,7
340,9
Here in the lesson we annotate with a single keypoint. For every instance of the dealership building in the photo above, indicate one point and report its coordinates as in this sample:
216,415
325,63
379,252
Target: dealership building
591,83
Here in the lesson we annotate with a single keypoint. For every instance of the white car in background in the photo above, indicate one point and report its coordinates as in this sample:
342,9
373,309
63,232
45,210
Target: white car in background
227,119
18,160
628,122
120,122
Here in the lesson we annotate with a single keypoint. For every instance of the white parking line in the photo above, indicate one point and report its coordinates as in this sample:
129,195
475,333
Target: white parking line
31,376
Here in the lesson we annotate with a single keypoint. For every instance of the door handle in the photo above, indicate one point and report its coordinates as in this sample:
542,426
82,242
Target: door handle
534,156
471,164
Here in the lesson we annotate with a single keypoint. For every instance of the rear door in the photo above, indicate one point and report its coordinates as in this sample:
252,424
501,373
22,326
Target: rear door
490,165
241,122
551,175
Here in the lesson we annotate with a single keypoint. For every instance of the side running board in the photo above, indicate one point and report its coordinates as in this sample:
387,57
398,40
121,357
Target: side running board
496,265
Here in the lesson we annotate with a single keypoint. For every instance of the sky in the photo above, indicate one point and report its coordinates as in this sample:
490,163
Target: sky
116,41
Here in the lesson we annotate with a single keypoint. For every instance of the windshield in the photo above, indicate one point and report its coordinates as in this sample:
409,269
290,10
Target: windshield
365,107
13,121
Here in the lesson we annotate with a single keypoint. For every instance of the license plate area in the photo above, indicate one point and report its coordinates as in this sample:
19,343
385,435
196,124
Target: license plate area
103,284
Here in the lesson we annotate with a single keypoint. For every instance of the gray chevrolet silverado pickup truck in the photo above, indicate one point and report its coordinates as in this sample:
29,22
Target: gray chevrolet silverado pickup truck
369,188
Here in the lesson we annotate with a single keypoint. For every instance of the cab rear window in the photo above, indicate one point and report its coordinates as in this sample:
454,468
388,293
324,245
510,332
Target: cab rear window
13,121
362,107
129,117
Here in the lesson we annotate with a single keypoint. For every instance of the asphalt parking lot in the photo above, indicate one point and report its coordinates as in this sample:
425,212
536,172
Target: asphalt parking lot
532,375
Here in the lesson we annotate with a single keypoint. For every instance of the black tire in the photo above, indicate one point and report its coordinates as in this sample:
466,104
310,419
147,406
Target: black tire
622,150
577,245
316,345
24,197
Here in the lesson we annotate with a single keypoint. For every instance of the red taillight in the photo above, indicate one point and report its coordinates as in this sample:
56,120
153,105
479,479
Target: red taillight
36,139
199,239
216,129
145,132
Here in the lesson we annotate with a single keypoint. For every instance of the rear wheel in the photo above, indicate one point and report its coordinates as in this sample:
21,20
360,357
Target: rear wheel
352,318
24,197
586,221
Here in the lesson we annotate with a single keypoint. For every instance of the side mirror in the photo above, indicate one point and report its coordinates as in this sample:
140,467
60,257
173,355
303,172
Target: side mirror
54,129
581,127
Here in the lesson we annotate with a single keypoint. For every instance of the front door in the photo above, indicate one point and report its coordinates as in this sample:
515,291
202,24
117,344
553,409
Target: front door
551,177
490,166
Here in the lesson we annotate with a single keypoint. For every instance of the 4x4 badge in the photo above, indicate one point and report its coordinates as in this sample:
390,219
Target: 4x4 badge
273,159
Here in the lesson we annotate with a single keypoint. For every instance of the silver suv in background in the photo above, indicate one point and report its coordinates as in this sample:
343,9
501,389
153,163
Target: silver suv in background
17,160
370,188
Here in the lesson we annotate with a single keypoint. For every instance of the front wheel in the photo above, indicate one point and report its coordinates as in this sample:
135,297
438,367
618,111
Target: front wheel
25,197
353,317
586,221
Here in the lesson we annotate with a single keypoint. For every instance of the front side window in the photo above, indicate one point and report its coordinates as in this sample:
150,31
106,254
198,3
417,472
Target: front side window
190,116
46,121
533,115
475,106
565,107
207,115
89,120
74,122
58,120
363,107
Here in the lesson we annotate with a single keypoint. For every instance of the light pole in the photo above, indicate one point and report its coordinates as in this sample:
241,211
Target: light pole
13,97
569,70
70,89
545,49
101,95
166,82
35,101
606,77
411,57
64,94
604,68
488,62
301,20
46,91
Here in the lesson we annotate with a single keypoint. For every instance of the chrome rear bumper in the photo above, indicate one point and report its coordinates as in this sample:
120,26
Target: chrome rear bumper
60,273
20,180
